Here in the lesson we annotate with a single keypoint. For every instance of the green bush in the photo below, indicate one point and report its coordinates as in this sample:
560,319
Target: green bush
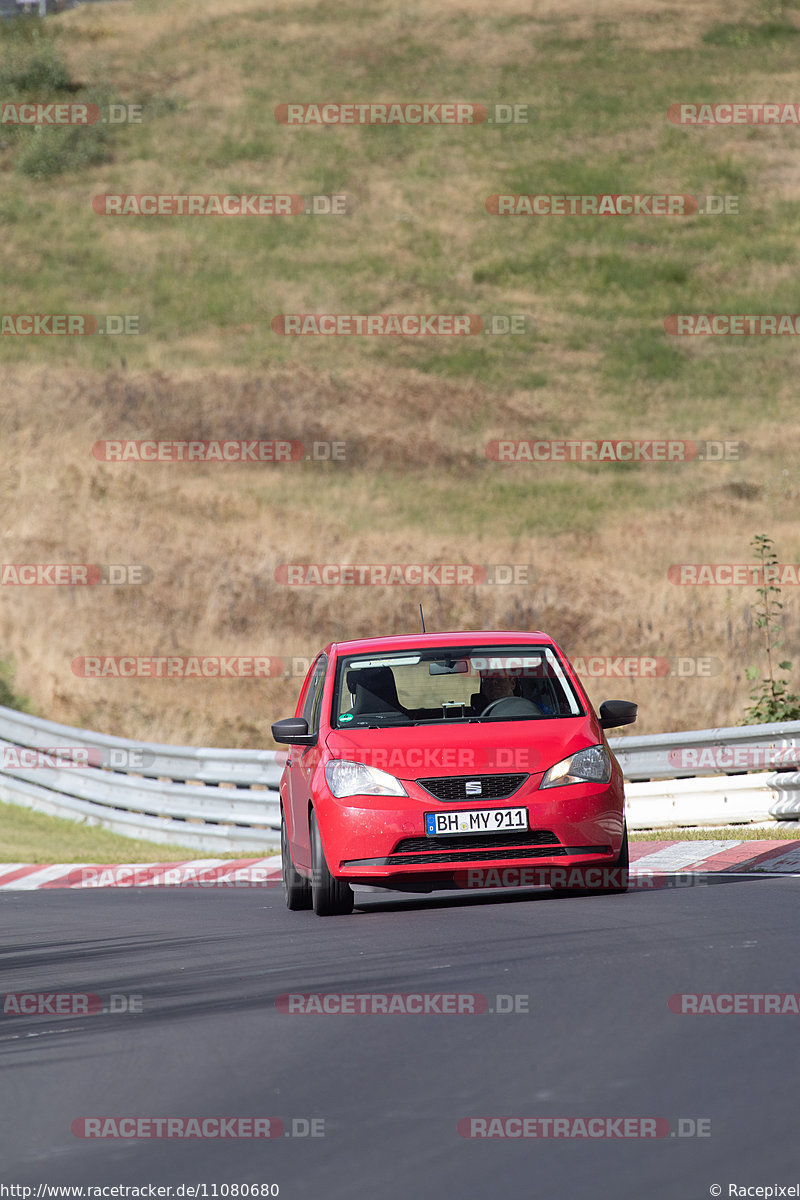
51,151
771,700
32,69
9,697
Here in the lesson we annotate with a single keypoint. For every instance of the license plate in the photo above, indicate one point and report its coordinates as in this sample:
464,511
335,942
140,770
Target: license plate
481,820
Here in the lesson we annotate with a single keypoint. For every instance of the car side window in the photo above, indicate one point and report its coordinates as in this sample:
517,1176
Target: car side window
313,701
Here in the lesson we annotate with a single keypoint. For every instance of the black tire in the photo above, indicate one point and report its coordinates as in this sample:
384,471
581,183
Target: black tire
618,870
296,889
331,897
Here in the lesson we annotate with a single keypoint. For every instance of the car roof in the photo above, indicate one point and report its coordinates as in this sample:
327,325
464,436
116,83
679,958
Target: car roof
420,641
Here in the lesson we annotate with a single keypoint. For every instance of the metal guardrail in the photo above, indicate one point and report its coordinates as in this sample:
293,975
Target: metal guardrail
38,8
713,801
215,799
711,777
206,798
152,759
708,751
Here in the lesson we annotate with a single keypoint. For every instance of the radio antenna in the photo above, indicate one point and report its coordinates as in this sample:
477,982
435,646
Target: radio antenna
422,618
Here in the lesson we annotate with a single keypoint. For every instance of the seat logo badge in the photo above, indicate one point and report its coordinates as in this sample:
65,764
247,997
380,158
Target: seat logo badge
473,787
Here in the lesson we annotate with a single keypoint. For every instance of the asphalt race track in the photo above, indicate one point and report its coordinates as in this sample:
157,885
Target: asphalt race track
599,1040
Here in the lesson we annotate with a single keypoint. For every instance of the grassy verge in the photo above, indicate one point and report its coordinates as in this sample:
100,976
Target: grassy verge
421,239
33,837
416,489
742,833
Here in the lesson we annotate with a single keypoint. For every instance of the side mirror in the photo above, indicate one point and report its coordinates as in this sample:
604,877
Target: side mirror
614,713
293,731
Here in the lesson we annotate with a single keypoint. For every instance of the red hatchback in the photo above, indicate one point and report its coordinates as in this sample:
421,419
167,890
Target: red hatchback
445,760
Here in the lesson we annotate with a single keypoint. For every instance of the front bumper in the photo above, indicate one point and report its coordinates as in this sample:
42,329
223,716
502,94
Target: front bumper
373,840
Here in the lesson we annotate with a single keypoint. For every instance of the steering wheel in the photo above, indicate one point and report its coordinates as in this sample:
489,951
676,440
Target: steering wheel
515,706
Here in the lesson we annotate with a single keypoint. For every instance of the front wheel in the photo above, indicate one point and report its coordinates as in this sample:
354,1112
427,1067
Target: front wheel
331,897
296,889
618,881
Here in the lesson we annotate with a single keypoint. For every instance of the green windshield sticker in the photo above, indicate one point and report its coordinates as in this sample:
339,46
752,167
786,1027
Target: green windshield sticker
346,717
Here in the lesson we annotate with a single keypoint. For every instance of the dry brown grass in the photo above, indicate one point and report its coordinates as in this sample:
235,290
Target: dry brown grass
214,534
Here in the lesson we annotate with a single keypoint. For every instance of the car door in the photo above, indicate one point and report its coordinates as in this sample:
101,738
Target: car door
302,763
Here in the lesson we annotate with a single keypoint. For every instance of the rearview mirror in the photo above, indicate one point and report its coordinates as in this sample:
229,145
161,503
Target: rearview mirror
449,666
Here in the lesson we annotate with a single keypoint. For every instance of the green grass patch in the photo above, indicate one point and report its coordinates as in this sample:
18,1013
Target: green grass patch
741,34
31,66
33,70
742,833
50,152
517,500
34,837
9,696
448,253
420,239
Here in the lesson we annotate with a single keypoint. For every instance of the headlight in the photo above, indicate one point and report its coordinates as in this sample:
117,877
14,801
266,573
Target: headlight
587,766
357,779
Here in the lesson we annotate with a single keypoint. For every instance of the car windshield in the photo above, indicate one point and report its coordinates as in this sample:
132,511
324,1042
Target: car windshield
506,683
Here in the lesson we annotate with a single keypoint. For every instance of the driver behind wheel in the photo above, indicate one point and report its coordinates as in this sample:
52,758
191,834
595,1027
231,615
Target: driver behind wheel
495,685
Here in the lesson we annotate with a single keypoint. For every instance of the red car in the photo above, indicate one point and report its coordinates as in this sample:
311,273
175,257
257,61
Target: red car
445,760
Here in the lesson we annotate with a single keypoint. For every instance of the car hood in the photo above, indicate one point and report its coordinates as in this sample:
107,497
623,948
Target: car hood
428,751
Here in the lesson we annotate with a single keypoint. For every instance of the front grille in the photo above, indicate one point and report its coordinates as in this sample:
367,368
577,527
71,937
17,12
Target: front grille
464,856
466,841
454,787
